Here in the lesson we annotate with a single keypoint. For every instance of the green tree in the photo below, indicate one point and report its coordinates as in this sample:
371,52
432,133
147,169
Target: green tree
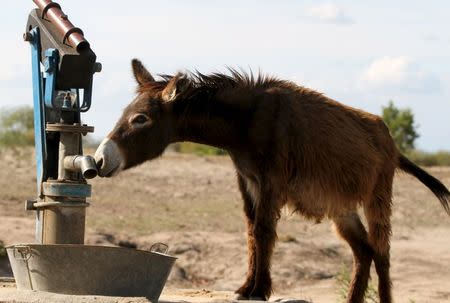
16,126
401,126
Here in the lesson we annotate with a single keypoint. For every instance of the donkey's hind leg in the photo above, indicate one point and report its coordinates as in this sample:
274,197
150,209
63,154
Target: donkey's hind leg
378,213
352,230
243,293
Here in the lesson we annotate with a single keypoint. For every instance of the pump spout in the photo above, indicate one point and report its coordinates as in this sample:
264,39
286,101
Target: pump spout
84,164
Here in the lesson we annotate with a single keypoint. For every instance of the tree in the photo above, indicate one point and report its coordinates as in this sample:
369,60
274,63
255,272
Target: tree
401,126
17,126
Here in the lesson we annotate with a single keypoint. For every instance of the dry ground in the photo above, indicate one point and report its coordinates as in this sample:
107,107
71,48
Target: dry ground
192,204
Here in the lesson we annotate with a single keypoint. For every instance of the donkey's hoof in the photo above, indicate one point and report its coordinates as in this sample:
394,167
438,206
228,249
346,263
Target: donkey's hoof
239,297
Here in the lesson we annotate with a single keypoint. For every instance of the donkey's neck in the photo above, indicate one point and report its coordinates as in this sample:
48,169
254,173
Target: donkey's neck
212,120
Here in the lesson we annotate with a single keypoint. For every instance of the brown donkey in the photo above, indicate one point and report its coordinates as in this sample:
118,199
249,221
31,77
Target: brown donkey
290,145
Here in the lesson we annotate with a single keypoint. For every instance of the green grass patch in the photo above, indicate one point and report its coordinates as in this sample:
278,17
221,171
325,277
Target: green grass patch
440,158
198,149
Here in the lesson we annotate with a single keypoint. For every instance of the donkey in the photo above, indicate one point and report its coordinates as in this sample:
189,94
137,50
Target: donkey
291,146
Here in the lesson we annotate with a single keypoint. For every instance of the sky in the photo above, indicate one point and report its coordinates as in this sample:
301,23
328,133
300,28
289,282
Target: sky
360,53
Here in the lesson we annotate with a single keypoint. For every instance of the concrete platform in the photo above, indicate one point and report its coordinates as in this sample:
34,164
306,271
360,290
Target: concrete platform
9,294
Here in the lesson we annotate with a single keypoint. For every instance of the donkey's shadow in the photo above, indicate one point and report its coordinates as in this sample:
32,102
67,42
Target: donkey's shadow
281,300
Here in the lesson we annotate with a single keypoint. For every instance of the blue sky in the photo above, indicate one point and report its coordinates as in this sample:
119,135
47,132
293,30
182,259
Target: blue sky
361,53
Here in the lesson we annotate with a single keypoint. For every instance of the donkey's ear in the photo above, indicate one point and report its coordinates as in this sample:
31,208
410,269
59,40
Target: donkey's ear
176,86
141,74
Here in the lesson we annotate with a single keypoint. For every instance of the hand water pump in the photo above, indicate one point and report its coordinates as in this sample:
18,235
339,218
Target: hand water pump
63,66
61,92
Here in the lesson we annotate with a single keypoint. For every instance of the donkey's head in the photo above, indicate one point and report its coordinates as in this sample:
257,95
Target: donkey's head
147,125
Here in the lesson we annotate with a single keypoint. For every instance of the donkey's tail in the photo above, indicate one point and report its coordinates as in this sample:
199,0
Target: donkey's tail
436,186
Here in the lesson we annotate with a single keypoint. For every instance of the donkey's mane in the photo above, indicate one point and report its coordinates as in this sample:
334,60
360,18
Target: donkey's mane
217,81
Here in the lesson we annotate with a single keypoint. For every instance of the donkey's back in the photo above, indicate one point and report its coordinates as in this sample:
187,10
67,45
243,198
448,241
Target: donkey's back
332,155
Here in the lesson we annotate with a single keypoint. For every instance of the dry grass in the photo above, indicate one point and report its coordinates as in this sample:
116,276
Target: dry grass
343,279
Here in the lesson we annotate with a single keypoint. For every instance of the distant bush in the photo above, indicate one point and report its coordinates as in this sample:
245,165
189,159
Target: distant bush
440,158
16,126
198,149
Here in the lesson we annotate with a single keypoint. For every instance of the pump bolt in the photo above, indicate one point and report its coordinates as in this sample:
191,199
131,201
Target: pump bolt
27,36
97,67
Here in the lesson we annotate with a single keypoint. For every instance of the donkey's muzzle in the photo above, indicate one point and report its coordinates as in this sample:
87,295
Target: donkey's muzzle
108,158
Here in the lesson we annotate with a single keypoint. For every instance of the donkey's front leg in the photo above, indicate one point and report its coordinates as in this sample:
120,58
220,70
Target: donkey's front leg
267,213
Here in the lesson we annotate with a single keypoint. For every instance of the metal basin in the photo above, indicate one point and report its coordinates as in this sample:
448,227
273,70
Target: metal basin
90,270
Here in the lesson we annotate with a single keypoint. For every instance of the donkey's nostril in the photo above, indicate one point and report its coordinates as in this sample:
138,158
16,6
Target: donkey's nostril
99,163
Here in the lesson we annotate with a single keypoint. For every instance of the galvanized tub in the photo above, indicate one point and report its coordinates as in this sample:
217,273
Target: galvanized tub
90,270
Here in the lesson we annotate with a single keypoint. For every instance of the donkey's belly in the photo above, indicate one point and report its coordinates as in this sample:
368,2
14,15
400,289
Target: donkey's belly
317,205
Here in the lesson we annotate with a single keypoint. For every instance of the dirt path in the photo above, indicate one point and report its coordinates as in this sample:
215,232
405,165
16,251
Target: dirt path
192,204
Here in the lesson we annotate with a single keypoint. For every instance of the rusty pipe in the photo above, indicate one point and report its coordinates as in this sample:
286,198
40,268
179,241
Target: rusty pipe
71,35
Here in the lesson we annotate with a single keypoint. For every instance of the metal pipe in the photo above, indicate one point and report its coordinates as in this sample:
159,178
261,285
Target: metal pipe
73,35
69,145
84,164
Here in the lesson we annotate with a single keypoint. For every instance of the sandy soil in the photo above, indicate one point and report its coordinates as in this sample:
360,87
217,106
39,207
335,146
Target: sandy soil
192,204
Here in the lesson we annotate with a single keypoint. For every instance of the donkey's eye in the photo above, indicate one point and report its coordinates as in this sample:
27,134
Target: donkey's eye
139,119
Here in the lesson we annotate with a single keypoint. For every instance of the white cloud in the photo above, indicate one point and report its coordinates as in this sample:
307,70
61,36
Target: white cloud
328,13
430,37
399,74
